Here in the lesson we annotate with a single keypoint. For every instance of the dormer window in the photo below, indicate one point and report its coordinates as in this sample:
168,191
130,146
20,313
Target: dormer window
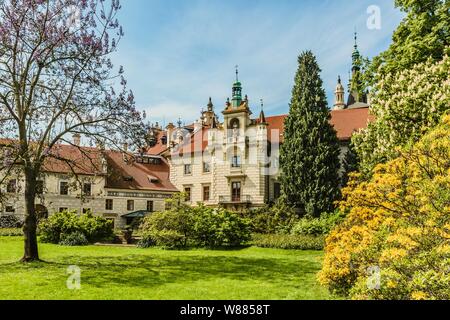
153,179
128,178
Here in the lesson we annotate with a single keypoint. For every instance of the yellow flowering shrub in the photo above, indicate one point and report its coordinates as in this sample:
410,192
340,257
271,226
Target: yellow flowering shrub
398,224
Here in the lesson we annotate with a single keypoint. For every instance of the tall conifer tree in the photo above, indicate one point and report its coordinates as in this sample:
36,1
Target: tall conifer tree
309,157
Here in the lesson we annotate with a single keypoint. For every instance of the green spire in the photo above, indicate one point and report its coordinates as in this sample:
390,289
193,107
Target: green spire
356,56
237,91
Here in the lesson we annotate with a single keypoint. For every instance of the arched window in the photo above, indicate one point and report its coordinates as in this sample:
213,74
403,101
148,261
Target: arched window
234,124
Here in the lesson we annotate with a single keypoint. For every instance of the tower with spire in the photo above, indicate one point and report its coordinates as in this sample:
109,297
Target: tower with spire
339,96
209,117
357,95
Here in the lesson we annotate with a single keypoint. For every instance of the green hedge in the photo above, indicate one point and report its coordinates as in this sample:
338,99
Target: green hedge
11,232
286,241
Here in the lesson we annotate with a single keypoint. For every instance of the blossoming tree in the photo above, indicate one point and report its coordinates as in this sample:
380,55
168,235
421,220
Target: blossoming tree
57,80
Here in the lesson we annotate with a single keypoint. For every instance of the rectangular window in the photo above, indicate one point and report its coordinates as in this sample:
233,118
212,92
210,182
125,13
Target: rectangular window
39,187
236,162
187,169
206,193
206,167
236,192
10,209
130,205
149,206
109,204
87,189
63,209
63,188
12,186
187,191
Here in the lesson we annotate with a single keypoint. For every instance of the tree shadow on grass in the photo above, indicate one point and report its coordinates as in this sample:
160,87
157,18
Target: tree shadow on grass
142,271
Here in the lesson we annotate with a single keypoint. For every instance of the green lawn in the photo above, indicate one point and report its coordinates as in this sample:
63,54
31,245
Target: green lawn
131,273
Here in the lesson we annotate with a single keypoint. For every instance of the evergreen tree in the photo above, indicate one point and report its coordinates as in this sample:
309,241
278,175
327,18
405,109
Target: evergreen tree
309,156
350,163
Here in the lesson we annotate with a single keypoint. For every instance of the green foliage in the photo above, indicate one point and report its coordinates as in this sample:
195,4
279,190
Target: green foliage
169,229
219,227
423,34
65,223
183,226
74,239
318,226
287,241
11,232
309,156
276,218
406,105
350,164
10,222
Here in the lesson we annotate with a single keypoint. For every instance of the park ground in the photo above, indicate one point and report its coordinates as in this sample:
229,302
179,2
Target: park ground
128,273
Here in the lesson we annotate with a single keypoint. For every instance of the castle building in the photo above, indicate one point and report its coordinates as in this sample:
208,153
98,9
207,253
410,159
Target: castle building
235,163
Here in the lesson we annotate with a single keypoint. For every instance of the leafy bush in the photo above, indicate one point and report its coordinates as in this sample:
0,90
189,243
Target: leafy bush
286,241
73,240
11,232
167,229
65,223
219,227
10,222
399,222
277,218
184,226
318,226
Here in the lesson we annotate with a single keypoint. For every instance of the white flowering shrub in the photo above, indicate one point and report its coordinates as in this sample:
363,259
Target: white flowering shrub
406,105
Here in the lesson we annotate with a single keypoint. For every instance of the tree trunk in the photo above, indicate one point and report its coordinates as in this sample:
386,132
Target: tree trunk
30,226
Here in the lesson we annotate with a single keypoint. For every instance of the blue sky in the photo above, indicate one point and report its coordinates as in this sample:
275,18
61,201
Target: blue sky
178,53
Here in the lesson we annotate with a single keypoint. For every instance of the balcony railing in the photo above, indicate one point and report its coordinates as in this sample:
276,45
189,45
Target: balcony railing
235,199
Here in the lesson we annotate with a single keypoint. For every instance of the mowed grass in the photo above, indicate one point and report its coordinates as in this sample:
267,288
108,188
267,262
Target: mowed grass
119,273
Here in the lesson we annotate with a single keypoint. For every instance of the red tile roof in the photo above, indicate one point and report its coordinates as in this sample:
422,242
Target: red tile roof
67,159
347,122
123,166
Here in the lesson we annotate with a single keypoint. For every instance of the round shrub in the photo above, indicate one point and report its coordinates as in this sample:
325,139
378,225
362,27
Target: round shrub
219,227
73,240
65,223
10,222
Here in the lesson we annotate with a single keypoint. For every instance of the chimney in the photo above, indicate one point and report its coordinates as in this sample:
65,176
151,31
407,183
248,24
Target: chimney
125,147
197,126
169,129
76,139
